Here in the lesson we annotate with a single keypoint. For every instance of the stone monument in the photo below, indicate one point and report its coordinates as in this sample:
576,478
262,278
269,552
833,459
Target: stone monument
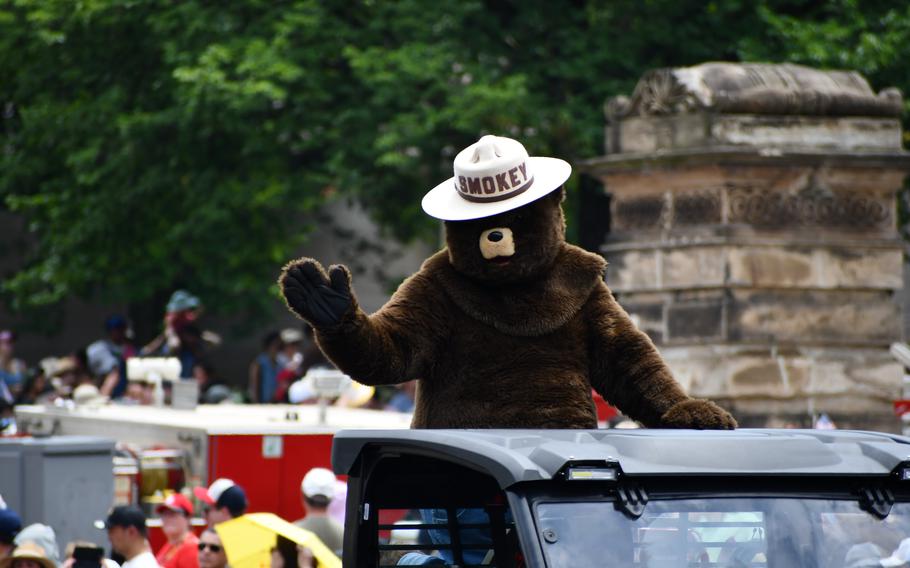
753,235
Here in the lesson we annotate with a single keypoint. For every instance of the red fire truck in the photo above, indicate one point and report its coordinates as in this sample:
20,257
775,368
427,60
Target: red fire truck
266,449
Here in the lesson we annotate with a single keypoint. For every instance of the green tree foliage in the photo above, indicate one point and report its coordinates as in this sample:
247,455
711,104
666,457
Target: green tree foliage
869,36
152,145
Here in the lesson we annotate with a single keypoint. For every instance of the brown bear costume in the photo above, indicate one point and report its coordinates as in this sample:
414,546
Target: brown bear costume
507,327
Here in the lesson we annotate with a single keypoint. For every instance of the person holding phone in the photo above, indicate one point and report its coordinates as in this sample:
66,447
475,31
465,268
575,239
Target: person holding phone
85,554
127,531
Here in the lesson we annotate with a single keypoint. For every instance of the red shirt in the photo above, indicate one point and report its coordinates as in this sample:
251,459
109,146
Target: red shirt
185,555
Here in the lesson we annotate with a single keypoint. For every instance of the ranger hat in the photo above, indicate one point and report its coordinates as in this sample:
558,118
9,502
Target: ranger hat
494,175
28,551
42,536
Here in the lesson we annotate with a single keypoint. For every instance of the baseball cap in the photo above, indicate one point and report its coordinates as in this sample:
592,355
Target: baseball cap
223,493
115,321
318,481
124,516
216,394
10,525
210,496
176,502
182,300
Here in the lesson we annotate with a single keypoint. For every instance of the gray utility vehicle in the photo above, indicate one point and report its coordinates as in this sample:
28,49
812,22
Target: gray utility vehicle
590,498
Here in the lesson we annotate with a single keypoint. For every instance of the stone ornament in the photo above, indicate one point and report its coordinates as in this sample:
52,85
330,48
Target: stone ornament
755,88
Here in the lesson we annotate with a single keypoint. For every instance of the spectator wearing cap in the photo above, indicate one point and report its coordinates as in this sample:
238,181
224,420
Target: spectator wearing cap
10,525
211,551
318,489
181,548
69,372
28,555
12,369
224,499
42,536
182,337
128,534
107,357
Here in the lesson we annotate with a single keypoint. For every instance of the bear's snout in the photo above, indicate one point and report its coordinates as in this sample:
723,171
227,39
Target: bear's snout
497,242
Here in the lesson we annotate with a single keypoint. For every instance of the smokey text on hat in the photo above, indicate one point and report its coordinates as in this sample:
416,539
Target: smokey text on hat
499,186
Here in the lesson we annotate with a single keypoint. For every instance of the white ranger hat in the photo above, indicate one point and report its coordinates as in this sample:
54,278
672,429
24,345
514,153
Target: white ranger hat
494,175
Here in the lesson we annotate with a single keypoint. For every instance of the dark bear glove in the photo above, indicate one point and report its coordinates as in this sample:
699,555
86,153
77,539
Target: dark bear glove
322,300
699,414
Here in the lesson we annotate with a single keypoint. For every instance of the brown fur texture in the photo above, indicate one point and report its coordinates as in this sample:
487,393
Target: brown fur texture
515,344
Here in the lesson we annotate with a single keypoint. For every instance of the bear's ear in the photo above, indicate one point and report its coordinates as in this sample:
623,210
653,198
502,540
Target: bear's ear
558,195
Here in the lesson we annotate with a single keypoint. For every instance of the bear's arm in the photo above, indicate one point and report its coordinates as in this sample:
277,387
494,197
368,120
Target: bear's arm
626,368
395,344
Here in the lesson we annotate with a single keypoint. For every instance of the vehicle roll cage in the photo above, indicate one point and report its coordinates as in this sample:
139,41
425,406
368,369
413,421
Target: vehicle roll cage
505,474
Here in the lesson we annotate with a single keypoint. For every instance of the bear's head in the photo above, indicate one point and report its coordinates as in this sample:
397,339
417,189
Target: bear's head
510,247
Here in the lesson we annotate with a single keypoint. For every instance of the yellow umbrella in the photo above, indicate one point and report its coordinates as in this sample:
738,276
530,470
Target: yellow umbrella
249,539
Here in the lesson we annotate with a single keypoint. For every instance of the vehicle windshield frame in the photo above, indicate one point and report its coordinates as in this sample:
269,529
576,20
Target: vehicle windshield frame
766,492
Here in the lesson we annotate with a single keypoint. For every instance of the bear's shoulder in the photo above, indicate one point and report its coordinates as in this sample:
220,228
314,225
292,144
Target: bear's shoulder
581,263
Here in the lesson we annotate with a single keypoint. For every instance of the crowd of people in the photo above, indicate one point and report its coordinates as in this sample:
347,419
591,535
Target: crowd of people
127,532
98,371
101,373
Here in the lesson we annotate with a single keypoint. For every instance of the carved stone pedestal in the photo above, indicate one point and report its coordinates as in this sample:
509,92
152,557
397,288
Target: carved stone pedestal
754,236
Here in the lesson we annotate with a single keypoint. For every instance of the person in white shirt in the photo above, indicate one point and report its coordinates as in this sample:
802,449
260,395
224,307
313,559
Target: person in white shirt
128,534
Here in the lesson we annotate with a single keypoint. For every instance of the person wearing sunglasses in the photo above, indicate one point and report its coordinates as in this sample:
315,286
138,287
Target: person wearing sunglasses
211,553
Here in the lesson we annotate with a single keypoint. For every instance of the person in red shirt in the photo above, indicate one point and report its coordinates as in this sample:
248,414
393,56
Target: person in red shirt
181,548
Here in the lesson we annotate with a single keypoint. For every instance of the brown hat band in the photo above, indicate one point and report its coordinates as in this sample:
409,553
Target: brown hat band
487,189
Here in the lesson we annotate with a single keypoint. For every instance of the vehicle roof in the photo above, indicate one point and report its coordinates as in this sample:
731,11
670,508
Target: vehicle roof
213,419
514,456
